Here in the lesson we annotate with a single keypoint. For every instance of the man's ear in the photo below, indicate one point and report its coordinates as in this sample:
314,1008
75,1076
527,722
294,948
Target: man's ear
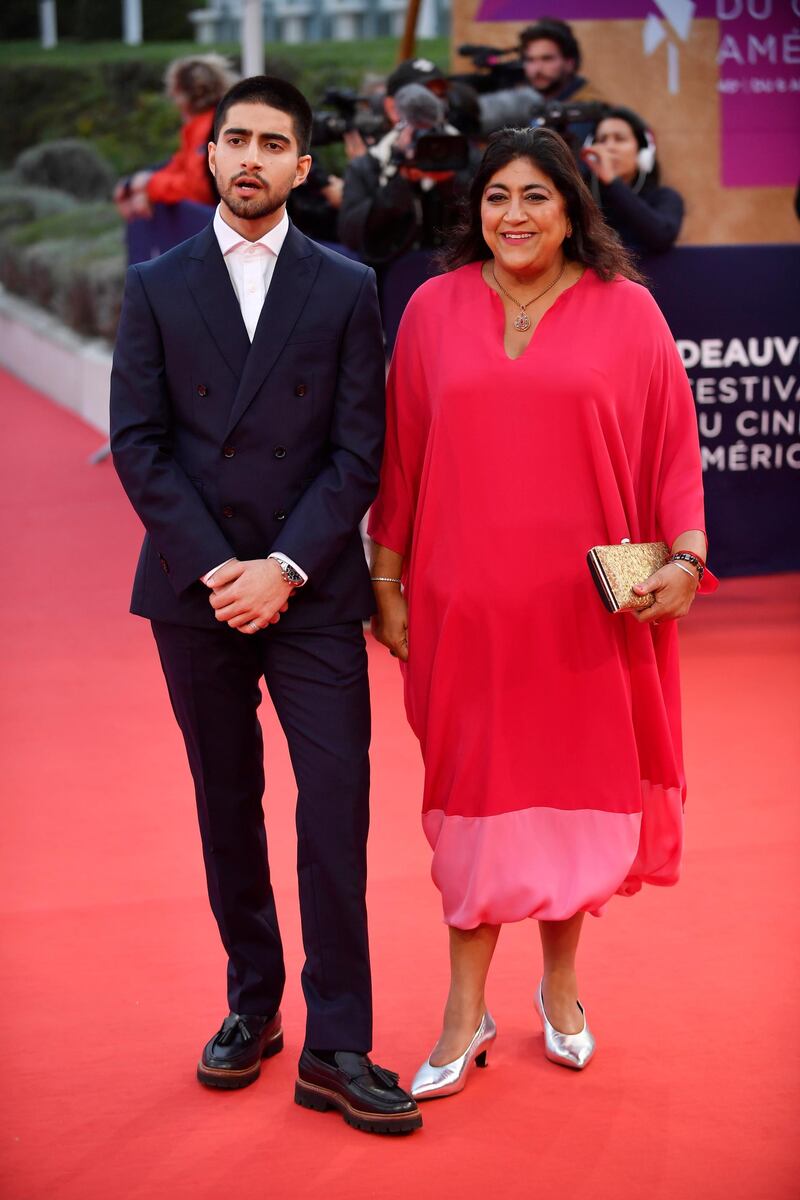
303,167
212,157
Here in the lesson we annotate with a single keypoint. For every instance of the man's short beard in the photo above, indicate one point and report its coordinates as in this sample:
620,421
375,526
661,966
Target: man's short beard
553,86
261,205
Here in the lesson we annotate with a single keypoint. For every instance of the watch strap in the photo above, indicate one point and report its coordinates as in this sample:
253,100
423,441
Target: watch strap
290,571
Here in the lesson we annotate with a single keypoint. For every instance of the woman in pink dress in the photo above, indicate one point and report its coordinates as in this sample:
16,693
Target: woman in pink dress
537,407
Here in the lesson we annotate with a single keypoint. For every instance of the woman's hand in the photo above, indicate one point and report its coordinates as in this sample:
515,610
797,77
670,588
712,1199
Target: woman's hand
674,589
599,161
390,623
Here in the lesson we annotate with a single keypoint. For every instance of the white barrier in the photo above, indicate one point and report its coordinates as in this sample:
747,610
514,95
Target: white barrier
73,371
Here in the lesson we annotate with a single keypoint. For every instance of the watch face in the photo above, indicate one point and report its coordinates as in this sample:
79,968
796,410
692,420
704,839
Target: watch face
290,575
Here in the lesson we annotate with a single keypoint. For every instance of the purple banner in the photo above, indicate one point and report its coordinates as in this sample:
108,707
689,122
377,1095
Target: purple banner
758,65
607,10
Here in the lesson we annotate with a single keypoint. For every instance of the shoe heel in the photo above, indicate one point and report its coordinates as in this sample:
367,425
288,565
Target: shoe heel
273,1047
480,1061
310,1098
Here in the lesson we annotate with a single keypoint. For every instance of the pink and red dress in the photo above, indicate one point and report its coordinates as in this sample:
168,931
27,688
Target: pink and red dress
550,729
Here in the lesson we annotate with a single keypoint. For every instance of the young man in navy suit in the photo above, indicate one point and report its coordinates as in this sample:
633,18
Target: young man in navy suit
247,407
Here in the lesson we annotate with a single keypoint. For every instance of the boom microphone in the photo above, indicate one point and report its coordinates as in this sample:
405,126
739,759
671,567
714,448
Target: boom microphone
418,107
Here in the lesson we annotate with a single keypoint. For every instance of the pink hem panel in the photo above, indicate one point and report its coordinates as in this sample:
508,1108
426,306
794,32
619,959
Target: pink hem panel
549,863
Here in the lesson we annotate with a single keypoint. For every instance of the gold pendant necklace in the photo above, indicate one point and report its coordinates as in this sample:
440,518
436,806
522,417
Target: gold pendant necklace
522,321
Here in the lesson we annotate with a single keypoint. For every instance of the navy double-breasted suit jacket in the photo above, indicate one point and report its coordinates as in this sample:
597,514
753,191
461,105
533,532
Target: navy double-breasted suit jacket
231,449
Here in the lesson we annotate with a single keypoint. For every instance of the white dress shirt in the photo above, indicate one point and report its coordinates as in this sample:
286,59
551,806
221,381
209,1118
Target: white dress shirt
250,267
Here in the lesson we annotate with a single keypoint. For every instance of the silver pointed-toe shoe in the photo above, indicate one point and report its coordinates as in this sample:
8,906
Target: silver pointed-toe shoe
573,1050
432,1082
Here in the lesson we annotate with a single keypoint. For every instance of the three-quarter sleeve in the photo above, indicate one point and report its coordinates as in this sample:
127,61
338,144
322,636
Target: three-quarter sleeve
391,520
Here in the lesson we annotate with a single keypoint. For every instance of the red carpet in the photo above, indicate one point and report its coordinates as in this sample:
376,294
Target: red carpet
112,976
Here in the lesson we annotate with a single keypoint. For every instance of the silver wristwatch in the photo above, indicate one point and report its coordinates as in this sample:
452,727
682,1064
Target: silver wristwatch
288,572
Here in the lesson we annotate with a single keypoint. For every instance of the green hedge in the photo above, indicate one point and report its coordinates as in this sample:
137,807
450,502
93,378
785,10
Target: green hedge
92,20
70,165
66,257
118,106
112,95
21,202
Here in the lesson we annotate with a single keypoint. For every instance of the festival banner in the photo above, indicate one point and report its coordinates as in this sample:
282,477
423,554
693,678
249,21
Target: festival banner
743,363
758,67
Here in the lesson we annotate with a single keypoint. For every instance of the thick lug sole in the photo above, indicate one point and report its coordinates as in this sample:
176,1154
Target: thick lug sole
320,1099
230,1079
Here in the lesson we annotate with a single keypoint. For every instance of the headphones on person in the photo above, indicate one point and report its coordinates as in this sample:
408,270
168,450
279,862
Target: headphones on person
646,154
646,158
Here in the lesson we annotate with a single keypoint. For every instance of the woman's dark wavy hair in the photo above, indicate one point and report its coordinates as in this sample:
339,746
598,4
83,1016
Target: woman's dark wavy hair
591,243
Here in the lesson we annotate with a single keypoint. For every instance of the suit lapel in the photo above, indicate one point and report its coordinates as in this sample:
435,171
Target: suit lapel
292,280
210,284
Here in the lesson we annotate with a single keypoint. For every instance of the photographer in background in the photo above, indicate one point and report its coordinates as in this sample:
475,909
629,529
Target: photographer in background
402,194
314,208
550,92
345,126
625,180
551,58
195,85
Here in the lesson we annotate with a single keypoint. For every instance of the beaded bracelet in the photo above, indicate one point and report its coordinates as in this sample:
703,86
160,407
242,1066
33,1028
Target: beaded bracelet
698,557
694,559
383,579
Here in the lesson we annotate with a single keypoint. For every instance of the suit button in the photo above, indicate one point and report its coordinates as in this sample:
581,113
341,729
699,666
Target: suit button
164,564
227,511
300,390
279,452
229,451
202,390
279,514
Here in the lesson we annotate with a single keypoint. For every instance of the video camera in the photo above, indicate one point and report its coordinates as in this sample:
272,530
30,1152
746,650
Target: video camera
425,142
434,151
346,110
496,69
560,116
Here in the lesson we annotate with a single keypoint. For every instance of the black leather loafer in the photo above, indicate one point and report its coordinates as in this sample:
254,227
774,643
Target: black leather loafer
232,1059
367,1096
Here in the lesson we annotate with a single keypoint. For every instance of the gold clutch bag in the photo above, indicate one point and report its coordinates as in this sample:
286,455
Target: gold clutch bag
616,569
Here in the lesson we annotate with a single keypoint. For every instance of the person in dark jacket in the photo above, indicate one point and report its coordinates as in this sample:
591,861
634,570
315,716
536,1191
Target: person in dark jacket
625,180
389,207
247,423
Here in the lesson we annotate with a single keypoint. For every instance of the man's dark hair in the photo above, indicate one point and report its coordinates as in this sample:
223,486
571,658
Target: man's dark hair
591,242
276,93
554,31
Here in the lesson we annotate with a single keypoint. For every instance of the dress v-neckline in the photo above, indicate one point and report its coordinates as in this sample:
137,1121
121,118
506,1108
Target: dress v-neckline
494,296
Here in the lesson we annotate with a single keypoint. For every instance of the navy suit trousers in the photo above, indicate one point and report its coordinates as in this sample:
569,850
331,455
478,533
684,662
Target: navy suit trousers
317,681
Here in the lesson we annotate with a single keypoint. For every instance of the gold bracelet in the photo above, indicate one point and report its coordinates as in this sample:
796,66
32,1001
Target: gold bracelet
383,579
